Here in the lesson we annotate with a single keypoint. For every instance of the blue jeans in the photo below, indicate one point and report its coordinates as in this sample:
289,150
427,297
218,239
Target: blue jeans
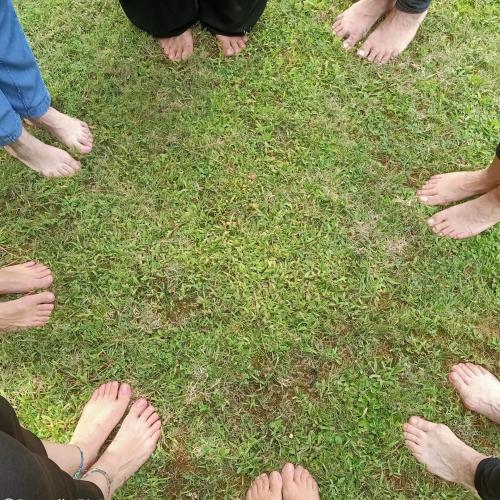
22,91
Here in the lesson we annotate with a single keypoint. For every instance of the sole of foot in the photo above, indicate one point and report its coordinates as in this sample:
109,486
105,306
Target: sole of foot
23,278
355,22
442,453
468,219
391,37
134,443
298,484
232,45
30,311
42,158
265,487
69,131
456,186
100,416
478,388
178,48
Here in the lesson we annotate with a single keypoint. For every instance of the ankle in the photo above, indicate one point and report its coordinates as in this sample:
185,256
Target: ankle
495,194
107,463
48,119
22,143
472,463
89,452
493,171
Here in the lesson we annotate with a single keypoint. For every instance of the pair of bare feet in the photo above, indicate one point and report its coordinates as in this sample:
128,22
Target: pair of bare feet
180,48
293,483
436,446
49,160
388,40
29,311
469,218
133,444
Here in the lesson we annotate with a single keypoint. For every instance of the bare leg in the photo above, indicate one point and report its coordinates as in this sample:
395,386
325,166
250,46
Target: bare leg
66,456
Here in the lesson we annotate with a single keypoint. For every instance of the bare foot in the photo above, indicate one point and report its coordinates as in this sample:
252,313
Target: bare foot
232,45
469,218
298,484
265,487
178,48
134,443
443,454
446,188
392,36
100,416
23,278
355,22
71,132
478,388
27,312
47,160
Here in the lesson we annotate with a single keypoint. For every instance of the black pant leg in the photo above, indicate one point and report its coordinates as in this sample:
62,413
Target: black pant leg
498,151
413,6
230,17
161,18
9,424
25,470
487,479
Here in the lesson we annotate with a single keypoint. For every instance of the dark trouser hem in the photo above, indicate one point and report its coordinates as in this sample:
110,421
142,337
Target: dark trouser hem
27,472
215,31
168,18
224,17
498,151
487,479
413,6
161,18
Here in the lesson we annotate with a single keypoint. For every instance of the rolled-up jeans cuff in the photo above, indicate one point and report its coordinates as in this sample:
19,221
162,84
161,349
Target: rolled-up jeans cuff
39,109
13,135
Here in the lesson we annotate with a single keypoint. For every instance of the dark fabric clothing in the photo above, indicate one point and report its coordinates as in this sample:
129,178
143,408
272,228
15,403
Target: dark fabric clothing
27,472
498,151
413,6
487,479
167,18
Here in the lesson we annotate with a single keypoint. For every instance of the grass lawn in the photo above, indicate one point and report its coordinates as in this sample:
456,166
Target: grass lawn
244,246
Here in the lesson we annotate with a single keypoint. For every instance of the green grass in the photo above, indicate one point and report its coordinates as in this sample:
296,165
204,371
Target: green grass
244,246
